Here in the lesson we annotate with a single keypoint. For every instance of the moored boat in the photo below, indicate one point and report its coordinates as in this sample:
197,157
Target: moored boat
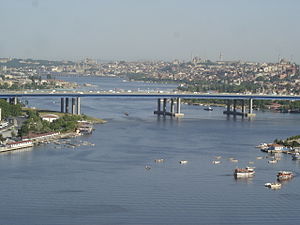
273,185
244,172
284,175
296,156
208,109
272,161
159,160
183,161
216,162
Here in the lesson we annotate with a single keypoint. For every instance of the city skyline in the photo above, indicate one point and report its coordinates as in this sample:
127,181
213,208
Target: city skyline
143,30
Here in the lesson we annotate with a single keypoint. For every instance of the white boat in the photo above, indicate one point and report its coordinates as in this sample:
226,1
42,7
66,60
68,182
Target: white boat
273,185
259,157
244,172
285,175
296,156
147,167
216,162
233,160
208,109
183,161
159,160
272,161
262,145
218,157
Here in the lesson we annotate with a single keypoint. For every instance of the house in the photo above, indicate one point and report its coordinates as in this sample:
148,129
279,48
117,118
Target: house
50,117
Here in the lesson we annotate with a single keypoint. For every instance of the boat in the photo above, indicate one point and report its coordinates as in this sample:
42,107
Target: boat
147,167
216,162
262,145
285,175
296,156
183,161
259,157
16,145
208,108
159,160
272,161
218,157
233,160
244,172
273,185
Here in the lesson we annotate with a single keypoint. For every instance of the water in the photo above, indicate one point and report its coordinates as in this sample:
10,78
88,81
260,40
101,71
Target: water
108,183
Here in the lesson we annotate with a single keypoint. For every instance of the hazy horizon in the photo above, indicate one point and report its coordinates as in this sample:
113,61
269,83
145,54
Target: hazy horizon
135,30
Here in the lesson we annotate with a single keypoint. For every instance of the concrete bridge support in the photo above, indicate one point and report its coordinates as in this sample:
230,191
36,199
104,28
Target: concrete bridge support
233,111
178,113
67,105
62,105
78,106
73,105
250,111
70,105
163,110
13,100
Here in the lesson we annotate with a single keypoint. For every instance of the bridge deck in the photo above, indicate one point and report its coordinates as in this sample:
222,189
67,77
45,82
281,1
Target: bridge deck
151,95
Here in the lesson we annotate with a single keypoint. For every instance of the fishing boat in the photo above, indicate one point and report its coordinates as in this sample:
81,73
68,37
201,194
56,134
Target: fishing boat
216,162
183,161
233,160
285,175
272,161
273,185
159,160
244,172
208,109
296,156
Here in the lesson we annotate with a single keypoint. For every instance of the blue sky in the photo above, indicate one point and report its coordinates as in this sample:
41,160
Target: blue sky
250,30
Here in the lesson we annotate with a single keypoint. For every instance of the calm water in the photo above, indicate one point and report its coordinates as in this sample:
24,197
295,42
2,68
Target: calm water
108,184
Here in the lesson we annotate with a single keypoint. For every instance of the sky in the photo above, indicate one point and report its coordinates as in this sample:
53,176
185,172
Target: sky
247,30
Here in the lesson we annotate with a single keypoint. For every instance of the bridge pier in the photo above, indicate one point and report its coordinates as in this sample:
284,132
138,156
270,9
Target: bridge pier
78,106
62,105
13,100
250,113
163,111
73,105
67,105
243,113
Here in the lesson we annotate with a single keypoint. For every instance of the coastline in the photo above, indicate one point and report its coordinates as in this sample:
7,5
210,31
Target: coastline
46,138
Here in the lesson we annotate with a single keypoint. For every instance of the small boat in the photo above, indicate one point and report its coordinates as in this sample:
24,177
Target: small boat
251,162
262,145
233,160
147,167
159,160
272,161
216,162
218,157
244,172
126,113
208,109
273,185
296,156
285,175
259,157
183,161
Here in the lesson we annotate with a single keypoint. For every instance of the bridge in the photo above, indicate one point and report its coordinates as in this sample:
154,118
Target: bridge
71,100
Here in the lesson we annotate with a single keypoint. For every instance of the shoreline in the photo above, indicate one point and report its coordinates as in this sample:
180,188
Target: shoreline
46,138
